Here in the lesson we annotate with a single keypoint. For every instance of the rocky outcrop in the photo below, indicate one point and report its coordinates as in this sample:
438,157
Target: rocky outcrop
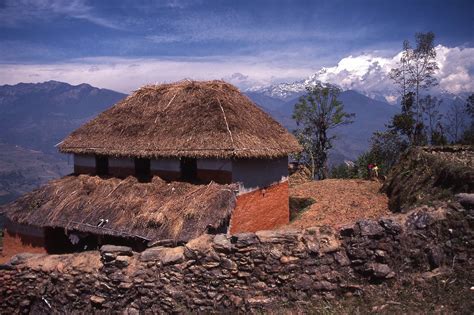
242,272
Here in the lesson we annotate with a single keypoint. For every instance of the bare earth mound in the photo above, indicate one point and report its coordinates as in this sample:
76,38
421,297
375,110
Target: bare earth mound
339,202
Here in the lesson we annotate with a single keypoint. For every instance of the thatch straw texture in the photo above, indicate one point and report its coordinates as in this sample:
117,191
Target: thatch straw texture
154,210
187,118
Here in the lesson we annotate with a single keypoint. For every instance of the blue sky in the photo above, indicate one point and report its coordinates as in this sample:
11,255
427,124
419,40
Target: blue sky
293,38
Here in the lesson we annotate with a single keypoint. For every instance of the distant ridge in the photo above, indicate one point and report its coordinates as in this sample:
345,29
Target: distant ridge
39,115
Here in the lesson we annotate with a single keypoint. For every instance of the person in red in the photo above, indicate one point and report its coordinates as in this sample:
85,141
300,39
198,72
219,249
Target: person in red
369,170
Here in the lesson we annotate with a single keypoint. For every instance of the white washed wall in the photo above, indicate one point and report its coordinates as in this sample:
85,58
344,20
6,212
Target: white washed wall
121,162
259,173
165,165
84,160
214,164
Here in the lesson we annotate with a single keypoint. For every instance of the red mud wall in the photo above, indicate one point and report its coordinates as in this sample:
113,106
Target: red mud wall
15,243
261,209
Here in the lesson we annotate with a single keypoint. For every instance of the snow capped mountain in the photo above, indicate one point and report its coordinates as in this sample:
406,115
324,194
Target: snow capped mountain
368,74
285,91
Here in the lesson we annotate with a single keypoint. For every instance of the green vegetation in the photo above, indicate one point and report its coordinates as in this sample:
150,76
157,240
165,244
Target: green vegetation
298,205
316,113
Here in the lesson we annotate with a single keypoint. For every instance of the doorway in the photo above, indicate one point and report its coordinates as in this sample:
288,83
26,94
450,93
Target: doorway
142,169
101,165
188,169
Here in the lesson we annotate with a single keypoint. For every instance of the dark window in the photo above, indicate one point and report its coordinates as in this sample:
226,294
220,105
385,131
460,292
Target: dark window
101,165
142,169
188,169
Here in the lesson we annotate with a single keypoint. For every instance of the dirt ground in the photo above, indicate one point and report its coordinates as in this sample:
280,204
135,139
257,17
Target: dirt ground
339,202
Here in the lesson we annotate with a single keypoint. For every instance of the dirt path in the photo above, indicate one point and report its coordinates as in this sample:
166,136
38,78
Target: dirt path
339,202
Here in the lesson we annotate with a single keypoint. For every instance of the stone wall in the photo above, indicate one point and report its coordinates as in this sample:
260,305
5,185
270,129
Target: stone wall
242,272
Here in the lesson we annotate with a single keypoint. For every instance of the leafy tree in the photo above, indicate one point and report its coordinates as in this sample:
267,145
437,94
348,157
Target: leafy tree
386,147
344,170
316,113
405,124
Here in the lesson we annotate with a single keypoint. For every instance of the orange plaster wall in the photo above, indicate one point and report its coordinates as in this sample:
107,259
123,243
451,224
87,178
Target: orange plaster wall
263,209
15,243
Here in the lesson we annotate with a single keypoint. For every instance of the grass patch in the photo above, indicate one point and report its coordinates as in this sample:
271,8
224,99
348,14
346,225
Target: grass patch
298,205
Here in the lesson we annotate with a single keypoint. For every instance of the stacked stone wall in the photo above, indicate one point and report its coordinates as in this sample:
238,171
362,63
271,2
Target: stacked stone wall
245,271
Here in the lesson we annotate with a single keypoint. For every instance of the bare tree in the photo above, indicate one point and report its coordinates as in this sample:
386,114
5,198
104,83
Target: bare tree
456,122
432,118
416,68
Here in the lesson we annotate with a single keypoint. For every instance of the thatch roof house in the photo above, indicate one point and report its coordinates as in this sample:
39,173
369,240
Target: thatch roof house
185,119
174,161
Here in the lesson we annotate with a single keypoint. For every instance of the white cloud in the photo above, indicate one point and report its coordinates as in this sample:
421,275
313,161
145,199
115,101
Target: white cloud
369,73
15,12
126,75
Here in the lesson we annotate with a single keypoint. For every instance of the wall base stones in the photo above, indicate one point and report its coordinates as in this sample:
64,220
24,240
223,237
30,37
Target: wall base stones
242,272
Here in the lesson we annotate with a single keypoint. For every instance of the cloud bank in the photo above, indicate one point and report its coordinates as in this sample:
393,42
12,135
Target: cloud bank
367,73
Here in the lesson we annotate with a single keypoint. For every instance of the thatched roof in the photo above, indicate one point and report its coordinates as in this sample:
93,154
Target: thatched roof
154,210
187,118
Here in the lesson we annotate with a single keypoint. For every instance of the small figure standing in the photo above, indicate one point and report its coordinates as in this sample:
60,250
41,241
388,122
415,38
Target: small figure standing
375,171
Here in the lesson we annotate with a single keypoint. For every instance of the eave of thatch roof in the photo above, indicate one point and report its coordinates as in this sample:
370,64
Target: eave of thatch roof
154,210
187,118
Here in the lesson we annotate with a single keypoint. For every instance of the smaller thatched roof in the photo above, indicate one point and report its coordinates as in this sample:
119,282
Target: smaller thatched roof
154,210
209,119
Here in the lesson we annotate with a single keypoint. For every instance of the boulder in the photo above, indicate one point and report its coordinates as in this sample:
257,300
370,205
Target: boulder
380,271
200,246
272,236
165,255
97,300
370,228
245,239
466,200
222,244
117,250
328,244
391,226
